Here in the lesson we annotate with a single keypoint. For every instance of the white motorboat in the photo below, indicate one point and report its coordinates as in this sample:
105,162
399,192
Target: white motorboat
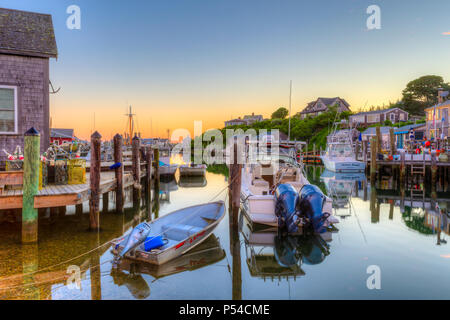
165,167
193,170
340,156
261,176
182,230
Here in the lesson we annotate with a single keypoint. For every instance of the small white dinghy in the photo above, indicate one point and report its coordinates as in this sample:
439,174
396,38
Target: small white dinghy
193,170
181,231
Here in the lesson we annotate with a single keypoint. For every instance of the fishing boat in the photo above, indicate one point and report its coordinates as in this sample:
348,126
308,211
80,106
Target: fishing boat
193,170
262,175
340,155
165,167
179,232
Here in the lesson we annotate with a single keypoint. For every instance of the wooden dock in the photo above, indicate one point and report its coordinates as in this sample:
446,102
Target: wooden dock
64,195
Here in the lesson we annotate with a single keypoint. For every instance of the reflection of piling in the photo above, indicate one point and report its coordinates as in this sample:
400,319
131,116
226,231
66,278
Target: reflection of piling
235,248
105,199
373,159
391,210
95,272
235,185
30,263
374,210
118,158
30,186
402,167
136,168
94,212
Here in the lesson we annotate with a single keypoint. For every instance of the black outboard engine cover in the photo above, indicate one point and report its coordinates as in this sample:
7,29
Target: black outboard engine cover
286,208
311,204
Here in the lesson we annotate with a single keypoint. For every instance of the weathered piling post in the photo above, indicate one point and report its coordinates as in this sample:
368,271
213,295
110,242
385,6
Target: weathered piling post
156,152
235,185
433,170
94,173
365,151
105,200
314,154
148,177
136,169
357,148
79,209
379,139
393,149
30,186
402,167
373,159
118,158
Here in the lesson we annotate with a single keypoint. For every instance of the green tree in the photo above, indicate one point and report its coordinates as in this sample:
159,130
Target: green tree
281,113
422,93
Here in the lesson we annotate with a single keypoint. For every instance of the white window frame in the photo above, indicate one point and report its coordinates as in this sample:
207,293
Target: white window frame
16,107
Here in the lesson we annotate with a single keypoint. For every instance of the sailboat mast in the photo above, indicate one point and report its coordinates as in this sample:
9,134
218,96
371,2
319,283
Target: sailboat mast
290,108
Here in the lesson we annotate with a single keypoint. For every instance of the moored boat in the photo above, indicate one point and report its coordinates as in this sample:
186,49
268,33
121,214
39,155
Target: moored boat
179,231
193,170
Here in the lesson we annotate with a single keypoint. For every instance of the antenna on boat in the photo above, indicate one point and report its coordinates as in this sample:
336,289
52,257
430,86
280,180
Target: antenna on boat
290,108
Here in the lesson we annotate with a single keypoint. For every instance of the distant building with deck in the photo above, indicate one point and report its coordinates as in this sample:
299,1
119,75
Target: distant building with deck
322,105
27,42
437,117
378,116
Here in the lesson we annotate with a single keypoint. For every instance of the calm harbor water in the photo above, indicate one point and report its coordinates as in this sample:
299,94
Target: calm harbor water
406,241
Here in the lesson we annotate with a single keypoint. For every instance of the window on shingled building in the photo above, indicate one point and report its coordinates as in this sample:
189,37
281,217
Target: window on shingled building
8,109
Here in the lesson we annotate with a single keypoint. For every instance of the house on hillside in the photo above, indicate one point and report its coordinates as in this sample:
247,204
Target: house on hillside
27,42
60,136
437,117
321,105
251,119
235,122
378,116
372,132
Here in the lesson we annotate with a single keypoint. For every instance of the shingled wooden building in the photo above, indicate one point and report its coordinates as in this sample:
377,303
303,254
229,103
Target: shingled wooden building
27,42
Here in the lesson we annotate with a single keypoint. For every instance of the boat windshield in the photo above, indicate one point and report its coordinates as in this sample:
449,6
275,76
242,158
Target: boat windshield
164,153
340,150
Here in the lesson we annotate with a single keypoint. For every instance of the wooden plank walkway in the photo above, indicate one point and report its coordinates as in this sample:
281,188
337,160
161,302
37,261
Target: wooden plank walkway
64,195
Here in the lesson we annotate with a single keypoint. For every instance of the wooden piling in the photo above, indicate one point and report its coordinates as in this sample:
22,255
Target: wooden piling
79,209
373,159
235,185
94,207
393,148
433,170
136,169
402,167
30,186
365,151
118,158
105,200
379,139
148,177
156,164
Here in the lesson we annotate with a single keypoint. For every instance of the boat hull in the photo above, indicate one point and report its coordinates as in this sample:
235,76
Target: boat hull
178,248
168,170
343,165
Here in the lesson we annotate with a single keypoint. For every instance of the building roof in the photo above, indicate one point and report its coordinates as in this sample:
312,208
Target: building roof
443,104
405,129
311,107
373,131
61,133
255,117
376,112
27,33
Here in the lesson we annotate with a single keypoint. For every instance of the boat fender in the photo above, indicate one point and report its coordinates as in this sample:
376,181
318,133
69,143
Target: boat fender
154,243
115,166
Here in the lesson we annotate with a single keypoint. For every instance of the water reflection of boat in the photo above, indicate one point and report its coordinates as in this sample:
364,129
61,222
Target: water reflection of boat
166,186
192,182
340,187
193,170
273,255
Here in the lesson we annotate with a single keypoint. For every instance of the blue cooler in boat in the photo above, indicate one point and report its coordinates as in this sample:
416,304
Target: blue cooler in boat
154,243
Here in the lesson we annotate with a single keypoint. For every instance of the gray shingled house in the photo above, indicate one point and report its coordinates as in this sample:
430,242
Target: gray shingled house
322,105
27,42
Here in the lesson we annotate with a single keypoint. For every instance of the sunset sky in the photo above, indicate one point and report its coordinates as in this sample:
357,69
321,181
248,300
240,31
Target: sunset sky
176,61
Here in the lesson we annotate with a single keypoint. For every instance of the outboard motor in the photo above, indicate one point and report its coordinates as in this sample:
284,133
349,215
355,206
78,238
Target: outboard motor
311,204
286,208
136,237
